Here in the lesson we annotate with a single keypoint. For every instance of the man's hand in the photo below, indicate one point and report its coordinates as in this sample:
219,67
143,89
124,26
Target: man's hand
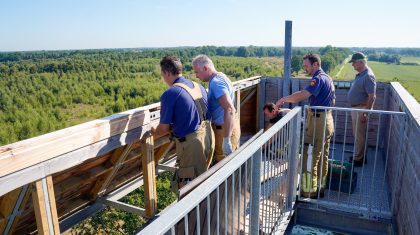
227,146
363,117
280,103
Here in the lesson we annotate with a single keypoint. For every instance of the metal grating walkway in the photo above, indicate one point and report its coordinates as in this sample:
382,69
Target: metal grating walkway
371,195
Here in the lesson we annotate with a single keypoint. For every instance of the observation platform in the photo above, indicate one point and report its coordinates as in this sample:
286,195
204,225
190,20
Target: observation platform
51,182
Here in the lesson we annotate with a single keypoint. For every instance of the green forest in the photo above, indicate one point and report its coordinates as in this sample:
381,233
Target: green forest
44,91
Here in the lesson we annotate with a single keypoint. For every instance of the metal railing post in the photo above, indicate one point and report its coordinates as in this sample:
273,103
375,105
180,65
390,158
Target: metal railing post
293,161
255,192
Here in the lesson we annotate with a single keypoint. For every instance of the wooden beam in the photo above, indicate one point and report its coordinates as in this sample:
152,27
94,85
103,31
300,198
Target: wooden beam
149,176
68,160
10,206
235,83
257,107
116,160
163,150
45,207
26,153
248,97
238,103
124,206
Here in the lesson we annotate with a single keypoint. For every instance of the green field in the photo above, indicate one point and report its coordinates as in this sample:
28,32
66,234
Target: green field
407,75
410,59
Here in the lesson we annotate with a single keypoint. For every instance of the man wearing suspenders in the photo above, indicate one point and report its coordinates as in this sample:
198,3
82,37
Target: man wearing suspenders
221,112
184,107
321,92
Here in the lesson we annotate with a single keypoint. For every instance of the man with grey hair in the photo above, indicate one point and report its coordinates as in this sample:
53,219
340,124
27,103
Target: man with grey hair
221,111
225,124
362,95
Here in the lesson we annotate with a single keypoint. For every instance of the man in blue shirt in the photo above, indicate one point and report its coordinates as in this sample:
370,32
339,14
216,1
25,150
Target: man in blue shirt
184,107
221,112
321,92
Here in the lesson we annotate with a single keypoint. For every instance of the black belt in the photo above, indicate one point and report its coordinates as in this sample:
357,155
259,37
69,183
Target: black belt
318,114
218,127
182,139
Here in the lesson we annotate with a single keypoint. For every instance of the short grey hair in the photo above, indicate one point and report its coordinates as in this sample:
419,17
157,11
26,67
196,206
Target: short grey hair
364,61
202,60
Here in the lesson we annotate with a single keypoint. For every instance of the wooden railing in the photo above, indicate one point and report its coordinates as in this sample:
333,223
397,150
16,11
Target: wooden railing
29,165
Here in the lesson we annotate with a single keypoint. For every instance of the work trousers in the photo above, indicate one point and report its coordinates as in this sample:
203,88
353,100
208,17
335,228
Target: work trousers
359,133
219,131
318,133
194,152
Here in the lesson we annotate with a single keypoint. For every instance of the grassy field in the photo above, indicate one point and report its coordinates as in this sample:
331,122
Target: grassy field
408,76
410,59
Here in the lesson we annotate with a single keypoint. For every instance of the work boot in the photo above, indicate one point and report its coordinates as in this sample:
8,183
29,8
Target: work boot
311,195
358,162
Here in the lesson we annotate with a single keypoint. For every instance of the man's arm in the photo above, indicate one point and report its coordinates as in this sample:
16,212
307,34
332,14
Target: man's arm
370,101
369,105
160,130
294,98
268,126
229,112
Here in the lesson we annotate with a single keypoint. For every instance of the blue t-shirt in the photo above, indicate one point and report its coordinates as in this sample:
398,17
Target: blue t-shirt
322,90
218,87
179,110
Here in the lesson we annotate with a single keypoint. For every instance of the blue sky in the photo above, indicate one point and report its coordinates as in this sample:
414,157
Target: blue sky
83,24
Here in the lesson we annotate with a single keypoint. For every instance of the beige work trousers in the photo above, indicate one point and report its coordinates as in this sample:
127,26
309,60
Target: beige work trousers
359,134
314,137
219,134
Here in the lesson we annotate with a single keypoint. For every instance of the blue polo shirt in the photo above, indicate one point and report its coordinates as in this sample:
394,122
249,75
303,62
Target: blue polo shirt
179,110
218,86
320,86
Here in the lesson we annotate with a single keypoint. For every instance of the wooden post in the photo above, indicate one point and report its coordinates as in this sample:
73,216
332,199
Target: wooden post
260,104
44,207
287,58
257,106
238,106
149,176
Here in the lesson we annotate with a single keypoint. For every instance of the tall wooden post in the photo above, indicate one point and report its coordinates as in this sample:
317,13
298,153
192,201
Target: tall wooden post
149,176
45,208
287,58
238,103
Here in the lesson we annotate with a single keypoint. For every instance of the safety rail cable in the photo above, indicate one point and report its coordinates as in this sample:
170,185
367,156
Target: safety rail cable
349,187
180,210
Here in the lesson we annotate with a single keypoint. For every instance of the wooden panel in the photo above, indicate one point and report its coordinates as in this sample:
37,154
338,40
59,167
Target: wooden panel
65,161
29,152
163,150
272,86
118,157
248,116
11,206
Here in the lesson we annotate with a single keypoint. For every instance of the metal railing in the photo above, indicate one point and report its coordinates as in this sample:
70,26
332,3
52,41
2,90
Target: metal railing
252,193
362,189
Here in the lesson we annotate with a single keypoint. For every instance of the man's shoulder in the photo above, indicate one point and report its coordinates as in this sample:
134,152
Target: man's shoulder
171,92
370,73
218,82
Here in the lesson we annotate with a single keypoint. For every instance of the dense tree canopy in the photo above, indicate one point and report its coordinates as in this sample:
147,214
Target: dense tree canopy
44,91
